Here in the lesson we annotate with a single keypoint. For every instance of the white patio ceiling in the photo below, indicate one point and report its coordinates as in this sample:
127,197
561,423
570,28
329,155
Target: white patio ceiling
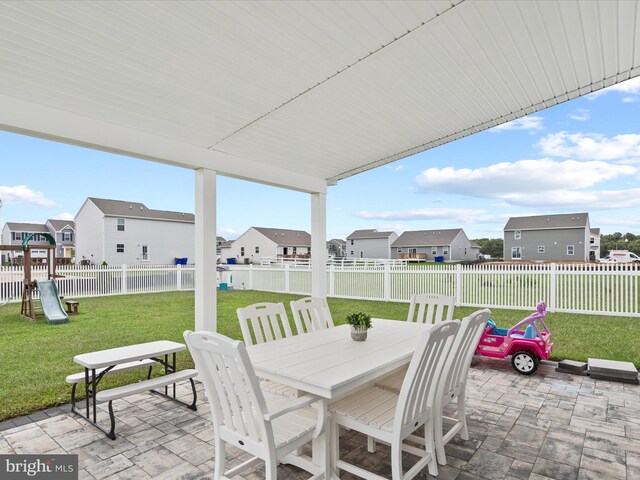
299,93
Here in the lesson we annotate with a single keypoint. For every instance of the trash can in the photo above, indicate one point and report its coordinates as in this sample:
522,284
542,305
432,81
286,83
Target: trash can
224,286
439,259
181,260
231,261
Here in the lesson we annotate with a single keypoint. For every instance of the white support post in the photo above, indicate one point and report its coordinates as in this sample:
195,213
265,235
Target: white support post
123,285
319,245
178,277
458,284
205,250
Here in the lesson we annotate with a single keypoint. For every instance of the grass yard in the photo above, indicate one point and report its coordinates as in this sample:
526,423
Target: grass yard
35,357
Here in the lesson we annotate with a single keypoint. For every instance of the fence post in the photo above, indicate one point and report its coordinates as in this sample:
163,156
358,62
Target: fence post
387,282
124,279
332,280
250,283
553,276
458,284
286,278
178,277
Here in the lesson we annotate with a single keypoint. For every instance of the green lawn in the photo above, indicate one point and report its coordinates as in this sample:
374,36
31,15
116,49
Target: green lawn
35,357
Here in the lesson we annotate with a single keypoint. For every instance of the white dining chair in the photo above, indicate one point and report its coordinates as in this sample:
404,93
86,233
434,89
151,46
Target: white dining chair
391,417
455,383
269,427
311,314
265,322
430,308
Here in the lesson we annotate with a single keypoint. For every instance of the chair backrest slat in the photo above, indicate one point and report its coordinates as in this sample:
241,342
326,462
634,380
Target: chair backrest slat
231,385
311,314
432,308
424,379
263,322
465,345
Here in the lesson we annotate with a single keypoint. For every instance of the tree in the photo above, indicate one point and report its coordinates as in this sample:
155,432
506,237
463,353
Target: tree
490,246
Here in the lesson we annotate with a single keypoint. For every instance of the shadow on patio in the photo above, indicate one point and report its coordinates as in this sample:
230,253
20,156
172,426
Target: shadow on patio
548,425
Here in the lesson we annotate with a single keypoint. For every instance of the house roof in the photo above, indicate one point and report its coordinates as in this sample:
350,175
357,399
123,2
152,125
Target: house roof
539,222
369,234
220,239
475,245
338,241
27,227
60,224
301,90
285,238
426,238
124,209
595,231
226,244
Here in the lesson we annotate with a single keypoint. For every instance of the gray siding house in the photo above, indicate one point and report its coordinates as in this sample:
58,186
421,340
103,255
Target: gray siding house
425,245
562,237
336,247
62,230
370,244
119,232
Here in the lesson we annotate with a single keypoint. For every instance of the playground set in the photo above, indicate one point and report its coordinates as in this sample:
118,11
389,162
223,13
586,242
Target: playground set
526,347
49,299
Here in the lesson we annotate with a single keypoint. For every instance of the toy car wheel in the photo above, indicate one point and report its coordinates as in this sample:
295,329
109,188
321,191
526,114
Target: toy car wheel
524,362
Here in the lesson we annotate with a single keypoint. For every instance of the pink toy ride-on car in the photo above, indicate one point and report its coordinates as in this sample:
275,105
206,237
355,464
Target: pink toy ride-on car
526,347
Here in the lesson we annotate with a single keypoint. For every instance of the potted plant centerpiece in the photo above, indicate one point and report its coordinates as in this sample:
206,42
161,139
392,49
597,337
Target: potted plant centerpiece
360,322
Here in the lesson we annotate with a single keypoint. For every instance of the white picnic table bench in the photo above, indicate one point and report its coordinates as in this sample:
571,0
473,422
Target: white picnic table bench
106,362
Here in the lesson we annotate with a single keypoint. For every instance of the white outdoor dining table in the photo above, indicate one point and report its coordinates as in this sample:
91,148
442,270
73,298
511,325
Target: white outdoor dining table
329,364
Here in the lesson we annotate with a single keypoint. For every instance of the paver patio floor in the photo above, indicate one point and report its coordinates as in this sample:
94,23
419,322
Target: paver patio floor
548,425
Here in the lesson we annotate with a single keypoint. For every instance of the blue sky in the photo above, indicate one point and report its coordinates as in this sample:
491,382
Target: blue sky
582,155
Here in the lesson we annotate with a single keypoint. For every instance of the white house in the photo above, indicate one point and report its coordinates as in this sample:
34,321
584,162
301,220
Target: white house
425,245
120,232
258,242
370,244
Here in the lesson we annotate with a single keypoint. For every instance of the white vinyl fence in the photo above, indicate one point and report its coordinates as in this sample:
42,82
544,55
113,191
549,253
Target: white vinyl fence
92,281
606,289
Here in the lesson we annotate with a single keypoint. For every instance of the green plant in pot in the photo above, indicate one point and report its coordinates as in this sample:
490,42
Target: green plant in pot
360,323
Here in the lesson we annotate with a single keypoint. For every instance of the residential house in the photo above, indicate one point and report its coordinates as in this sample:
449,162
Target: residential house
336,248
219,242
63,231
370,244
225,250
425,245
120,232
559,237
258,242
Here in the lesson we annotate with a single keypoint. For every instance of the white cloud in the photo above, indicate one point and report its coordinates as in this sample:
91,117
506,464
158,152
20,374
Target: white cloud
629,100
578,199
590,146
227,232
628,87
533,176
398,168
580,115
63,216
457,214
23,194
524,123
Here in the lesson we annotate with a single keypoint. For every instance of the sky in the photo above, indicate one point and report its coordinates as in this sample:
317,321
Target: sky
579,156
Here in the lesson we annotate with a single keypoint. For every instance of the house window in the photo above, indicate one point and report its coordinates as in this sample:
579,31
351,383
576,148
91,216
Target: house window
294,250
257,249
242,251
120,248
517,235
120,224
592,240
540,248
145,253
351,244
351,252
412,250
434,250
445,250
399,250
516,253
570,249
66,236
